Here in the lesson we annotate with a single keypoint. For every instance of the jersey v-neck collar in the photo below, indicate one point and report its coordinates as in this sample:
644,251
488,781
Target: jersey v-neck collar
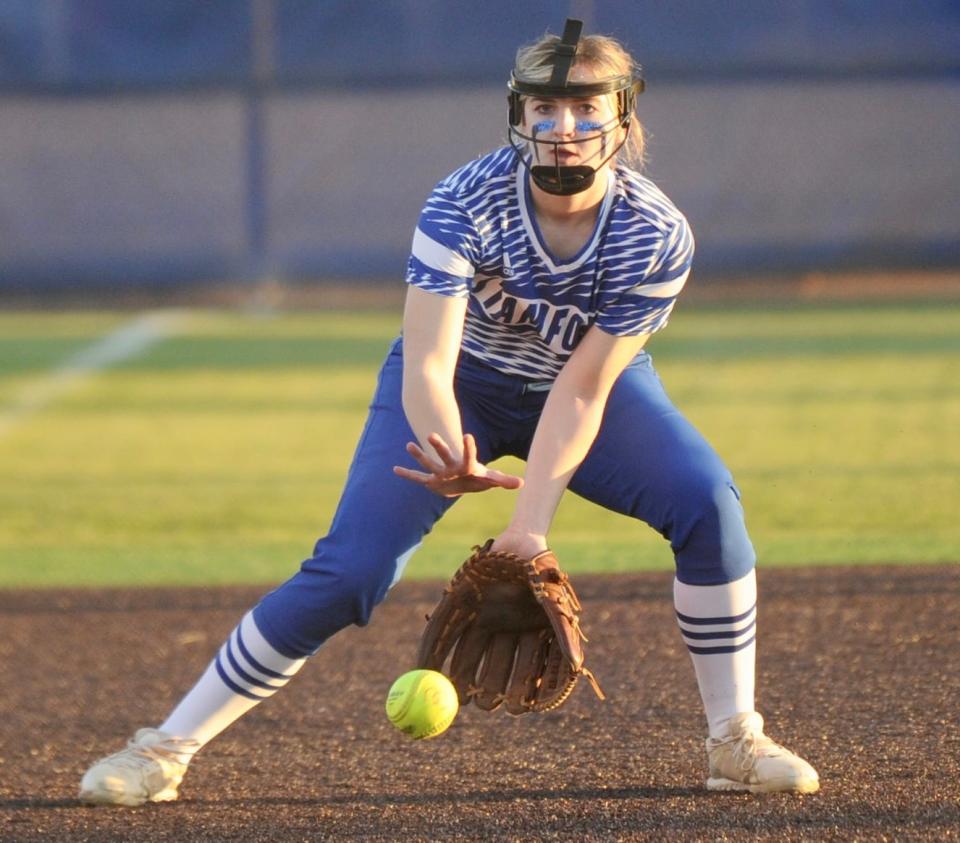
527,215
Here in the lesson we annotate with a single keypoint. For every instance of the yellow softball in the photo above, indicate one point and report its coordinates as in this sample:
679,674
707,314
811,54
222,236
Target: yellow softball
422,703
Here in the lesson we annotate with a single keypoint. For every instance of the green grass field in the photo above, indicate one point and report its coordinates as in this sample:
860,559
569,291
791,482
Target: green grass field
216,455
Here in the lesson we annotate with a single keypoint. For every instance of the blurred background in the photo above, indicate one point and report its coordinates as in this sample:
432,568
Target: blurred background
206,208
166,145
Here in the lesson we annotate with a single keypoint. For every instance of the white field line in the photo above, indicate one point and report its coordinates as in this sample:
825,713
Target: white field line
129,340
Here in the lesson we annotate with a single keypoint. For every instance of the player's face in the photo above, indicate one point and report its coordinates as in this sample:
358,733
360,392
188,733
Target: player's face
572,131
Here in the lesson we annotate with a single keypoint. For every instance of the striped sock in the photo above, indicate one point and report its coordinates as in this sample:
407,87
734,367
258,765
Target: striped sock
246,671
719,627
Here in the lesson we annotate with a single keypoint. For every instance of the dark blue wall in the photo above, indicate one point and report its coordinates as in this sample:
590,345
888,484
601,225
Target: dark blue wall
147,142
129,44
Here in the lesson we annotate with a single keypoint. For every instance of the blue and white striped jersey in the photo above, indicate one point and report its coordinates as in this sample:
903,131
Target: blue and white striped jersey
527,310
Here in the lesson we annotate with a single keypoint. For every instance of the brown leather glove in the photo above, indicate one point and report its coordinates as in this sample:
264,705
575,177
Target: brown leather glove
514,628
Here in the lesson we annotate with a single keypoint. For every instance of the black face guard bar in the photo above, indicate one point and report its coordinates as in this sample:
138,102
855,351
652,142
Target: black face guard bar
555,178
627,89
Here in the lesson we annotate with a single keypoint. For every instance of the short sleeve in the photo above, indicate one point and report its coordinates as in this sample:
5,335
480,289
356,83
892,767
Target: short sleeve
446,247
644,305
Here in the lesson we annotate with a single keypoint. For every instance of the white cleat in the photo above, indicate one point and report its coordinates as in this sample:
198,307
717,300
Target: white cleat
150,769
748,760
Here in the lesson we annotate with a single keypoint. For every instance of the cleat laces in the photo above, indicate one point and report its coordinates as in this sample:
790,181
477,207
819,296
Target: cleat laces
751,747
137,756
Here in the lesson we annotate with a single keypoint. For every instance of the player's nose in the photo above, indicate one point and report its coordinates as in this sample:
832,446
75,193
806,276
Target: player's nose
566,123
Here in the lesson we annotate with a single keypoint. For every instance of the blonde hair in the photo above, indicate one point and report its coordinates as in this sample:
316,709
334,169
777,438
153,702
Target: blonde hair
606,57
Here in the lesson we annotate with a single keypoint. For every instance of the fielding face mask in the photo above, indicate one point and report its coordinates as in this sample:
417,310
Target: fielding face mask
554,177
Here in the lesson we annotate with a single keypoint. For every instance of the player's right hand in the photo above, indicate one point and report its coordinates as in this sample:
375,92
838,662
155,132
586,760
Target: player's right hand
451,475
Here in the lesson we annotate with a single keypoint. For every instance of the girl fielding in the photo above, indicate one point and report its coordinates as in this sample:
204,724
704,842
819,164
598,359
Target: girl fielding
537,274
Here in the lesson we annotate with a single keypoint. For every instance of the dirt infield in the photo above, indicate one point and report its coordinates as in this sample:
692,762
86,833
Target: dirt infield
859,671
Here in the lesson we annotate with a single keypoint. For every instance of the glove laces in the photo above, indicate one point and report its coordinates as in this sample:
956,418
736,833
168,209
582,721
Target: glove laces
593,681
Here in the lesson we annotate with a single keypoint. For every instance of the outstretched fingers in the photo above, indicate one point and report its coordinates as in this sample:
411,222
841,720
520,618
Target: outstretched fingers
439,444
450,474
416,476
504,480
424,458
469,453
449,464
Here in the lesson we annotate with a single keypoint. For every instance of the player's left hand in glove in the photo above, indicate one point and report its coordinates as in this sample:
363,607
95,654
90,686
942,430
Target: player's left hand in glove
513,626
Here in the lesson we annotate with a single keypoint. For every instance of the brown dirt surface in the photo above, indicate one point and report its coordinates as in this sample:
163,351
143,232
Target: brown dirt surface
859,671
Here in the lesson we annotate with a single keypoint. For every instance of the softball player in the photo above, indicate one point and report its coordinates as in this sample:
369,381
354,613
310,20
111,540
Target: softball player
538,273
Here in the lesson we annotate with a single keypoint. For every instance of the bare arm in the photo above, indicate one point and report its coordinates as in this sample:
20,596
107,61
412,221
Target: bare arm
432,329
566,430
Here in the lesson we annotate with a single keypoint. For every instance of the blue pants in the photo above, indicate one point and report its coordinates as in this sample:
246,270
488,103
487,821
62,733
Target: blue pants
647,462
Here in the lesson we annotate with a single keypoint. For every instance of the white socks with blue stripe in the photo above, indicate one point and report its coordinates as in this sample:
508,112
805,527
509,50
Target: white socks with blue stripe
718,624
246,671
719,627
